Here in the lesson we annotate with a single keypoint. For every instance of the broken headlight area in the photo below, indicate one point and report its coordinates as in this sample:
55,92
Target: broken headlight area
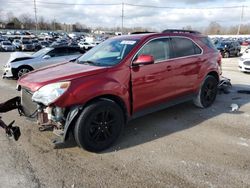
50,93
48,117
51,118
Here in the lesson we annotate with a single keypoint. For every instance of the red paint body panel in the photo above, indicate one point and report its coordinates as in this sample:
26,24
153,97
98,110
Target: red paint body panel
138,87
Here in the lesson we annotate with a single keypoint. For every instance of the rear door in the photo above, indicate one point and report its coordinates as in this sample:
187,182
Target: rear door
153,84
186,64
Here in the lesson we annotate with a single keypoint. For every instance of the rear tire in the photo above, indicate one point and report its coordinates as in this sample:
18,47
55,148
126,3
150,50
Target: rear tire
238,53
99,125
207,93
226,55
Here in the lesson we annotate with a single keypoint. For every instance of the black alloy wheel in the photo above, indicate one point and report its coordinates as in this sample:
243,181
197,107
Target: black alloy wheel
99,125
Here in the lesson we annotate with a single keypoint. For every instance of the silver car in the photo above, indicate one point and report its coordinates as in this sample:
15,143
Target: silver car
21,63
7,46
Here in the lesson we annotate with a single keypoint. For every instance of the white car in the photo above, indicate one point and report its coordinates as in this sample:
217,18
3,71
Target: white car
7,46
86,45
244,61
21,63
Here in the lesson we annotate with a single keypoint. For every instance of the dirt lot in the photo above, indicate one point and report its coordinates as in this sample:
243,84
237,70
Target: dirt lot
182,146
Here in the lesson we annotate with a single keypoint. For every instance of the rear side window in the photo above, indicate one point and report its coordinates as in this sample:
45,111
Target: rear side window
158,48
57,52
73,51
207,41
184,47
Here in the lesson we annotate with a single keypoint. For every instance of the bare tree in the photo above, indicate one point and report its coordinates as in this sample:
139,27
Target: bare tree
10,16
27,21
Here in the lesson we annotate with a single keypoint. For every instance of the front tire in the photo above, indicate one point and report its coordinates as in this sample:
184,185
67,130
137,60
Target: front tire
207,93
99,125
22,71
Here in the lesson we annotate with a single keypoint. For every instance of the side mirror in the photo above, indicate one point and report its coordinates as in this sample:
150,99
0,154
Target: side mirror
144,60
46,57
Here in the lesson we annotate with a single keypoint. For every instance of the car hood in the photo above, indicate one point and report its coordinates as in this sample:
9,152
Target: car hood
56,73
18,55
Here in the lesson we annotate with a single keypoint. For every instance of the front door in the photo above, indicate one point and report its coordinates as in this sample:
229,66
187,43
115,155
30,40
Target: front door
152,84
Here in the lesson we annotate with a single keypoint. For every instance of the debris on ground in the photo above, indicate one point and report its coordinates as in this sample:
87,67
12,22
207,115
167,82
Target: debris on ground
244,91
224,85
234,107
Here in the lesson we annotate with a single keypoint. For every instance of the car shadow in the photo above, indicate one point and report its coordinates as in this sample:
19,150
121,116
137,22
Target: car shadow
174,119
178,118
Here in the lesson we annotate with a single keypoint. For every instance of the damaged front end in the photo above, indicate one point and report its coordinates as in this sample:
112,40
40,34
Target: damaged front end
49,117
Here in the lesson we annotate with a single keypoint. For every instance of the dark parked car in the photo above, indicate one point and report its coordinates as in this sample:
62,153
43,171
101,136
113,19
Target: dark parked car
26,45
120,79
17,43
44,44
229,48
36,44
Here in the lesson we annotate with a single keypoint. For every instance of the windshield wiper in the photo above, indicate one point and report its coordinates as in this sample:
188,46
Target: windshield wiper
86,62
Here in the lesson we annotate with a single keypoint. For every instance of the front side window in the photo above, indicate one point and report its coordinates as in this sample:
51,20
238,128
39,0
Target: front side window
108,53
41,52
184,47
158,48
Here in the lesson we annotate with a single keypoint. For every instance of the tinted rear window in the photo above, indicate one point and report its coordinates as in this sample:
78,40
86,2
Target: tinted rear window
207,41
184,47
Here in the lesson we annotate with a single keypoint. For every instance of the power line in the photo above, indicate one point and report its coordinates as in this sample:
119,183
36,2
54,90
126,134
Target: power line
125,4
78,4
171,7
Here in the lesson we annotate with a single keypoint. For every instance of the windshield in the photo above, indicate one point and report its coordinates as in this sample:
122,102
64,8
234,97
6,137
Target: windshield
108,53
26,42
41,52
221,44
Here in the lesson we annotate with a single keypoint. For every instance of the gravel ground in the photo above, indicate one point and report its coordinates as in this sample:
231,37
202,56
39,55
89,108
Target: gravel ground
182,146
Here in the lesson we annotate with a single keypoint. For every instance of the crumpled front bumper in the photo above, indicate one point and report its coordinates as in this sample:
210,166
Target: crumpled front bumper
7,73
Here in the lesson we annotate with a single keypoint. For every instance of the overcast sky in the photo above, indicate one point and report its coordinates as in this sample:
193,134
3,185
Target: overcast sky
187,12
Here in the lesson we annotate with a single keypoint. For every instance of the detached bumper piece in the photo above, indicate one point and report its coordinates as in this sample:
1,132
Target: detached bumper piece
14,103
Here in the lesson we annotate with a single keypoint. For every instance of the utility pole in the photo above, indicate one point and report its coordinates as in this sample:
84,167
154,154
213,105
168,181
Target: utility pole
122,15
35,14
241,18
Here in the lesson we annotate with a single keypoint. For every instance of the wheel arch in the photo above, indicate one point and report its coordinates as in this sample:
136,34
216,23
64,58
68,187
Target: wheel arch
215,75
69,126
15,70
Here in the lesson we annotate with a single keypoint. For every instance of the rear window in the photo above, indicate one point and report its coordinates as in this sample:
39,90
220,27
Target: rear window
207,41
184,47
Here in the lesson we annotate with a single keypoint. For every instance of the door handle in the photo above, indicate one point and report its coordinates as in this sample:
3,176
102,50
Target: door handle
169,68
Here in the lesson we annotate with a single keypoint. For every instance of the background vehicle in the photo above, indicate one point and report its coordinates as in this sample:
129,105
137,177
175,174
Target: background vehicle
229,48
7,46
36,44
44,44
244,61
17,44
86,45
26,45
120,79
21,63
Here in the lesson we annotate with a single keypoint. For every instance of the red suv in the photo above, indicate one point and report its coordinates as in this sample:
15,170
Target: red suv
120,79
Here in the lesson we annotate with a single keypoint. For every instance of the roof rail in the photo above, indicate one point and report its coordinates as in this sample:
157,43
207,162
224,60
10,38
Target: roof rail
180,31
141,32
